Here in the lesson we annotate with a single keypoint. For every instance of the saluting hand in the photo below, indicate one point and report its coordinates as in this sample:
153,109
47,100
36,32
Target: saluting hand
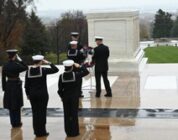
18,58
76,65
46,62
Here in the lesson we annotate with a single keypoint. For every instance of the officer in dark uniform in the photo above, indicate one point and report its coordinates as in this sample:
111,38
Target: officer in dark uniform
78,57
37,93
75,37
100,59
12,87
69,94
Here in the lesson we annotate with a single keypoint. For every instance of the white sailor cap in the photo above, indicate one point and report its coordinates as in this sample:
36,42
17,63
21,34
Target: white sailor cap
74,33
38,57
99,38
73,42
12,51
68,63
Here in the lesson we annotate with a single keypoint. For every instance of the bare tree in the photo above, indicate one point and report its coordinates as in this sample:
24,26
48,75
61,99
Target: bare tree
12,22
71,21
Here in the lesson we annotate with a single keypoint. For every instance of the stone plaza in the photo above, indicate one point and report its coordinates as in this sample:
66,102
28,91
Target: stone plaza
144,105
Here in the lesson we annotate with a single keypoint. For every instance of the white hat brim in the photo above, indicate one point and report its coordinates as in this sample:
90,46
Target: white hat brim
73,43
11,51
38,57
99,37
68,63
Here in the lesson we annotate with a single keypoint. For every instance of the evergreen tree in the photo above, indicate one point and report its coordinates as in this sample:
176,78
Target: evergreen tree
174,31
35,40
162,24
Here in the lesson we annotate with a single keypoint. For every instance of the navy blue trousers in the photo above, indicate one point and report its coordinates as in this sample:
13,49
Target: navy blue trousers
15,117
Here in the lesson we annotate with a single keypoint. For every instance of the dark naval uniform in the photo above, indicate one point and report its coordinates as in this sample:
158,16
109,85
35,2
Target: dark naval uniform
78,57
12,87
69,93
100,58
36,90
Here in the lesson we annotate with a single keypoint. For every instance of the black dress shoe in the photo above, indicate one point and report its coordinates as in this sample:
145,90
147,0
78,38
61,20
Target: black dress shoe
73,135
47,134
81,96
17,125
79,109
43,135
97,96
108,95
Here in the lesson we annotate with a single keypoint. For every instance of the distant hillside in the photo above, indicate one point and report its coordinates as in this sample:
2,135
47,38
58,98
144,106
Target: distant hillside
51,16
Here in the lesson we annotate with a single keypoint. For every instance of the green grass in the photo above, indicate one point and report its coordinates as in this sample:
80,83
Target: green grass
52,57
162,54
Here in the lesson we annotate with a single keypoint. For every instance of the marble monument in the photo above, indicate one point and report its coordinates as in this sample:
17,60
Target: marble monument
120,30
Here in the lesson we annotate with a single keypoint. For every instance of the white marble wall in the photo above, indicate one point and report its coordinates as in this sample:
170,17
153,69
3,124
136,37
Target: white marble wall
120,30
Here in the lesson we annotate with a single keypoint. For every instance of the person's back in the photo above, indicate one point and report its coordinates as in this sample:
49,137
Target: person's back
67,90
101,55
100,59
37,93
12,86
36,79
68,82
13,69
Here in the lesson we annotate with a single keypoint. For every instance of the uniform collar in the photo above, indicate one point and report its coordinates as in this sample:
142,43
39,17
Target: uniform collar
73,54
71,79
36,75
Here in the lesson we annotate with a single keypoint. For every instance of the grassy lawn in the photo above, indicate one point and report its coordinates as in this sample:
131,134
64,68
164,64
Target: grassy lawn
53,58
162,54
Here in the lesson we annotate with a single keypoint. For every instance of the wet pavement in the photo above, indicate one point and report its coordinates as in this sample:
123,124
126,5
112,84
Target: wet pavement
143,107
98,129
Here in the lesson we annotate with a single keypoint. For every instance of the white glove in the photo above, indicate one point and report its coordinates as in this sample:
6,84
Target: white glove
82,51
18,58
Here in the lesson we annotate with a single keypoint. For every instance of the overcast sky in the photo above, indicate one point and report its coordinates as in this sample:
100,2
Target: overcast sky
86,5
